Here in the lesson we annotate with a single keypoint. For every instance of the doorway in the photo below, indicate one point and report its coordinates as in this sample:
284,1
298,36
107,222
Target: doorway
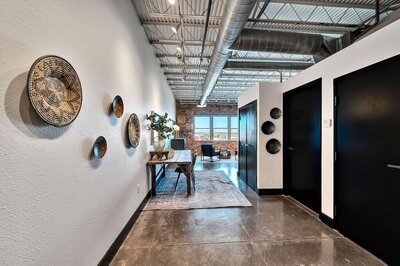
248,144
367,166
302,144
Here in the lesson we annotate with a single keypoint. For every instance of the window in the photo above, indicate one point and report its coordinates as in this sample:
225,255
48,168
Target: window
234,128
202,128
215,127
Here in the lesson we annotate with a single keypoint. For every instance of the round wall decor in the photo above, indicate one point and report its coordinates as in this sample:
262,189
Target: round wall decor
100,147
268,127
118,106
273,146
275,113
55,90
134,130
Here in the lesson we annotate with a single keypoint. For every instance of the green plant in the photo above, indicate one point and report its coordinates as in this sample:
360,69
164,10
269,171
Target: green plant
159,123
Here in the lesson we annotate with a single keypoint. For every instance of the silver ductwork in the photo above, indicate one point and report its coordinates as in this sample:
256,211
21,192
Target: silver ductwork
234,17
285,42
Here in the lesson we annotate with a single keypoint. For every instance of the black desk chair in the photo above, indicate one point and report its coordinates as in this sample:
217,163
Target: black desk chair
192,175
209,151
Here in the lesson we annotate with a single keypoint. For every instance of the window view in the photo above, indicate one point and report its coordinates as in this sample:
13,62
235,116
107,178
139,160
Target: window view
220,128
202,128
217,128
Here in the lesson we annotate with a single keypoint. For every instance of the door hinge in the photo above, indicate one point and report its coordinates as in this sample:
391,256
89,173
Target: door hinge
335,100
335,156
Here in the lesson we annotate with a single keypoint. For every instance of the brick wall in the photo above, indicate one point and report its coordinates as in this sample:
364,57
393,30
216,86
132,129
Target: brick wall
185,116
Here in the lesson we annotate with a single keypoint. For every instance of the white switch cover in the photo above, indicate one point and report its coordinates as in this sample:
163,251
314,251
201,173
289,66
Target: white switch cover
327,123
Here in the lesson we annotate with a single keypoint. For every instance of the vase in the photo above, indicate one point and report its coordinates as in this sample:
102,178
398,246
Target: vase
159,145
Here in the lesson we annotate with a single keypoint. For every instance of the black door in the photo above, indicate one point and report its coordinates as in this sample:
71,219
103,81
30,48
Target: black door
302,144
248,144
367,171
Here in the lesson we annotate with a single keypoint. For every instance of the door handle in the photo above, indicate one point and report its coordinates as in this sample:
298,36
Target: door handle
393,166
290,148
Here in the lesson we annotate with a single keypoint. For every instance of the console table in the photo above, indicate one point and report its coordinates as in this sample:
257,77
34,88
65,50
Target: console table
183,158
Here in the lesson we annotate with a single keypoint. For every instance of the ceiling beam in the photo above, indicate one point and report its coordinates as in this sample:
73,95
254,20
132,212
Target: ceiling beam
178,42
330,3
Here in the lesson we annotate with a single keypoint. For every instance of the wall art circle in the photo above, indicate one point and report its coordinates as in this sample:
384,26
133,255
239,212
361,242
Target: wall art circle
134,130
100,147
55,91
275,113
267,127
118,106
273,146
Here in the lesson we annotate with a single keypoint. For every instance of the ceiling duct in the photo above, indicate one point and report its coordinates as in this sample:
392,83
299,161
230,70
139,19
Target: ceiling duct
286,42
235,16
267,65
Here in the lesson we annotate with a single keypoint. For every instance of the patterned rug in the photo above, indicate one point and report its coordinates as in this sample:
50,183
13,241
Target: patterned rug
213,190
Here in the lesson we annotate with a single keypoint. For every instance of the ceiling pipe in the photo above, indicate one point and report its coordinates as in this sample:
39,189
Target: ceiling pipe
285,42
235,16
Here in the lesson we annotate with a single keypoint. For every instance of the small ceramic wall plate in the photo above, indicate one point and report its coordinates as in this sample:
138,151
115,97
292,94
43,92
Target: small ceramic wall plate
268,127
134,130
55,90
100,147
273,146
118,106
275,113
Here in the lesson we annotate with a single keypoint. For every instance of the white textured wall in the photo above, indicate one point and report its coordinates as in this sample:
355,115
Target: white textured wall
56,206
379,46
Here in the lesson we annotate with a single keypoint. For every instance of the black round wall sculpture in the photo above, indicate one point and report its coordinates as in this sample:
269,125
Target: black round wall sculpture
268,127
273,146
275,113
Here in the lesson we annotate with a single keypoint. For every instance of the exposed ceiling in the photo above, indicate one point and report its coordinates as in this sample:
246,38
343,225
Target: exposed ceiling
176,32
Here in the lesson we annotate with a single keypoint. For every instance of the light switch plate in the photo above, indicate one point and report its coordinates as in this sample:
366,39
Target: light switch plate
327,123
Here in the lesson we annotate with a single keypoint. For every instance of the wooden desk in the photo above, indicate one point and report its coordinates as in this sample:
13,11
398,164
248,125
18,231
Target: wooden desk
183,158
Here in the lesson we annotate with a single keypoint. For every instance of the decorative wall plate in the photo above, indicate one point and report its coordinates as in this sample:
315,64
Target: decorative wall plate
134,130
118,106
55,90
275,113
268,127
273,146
100,147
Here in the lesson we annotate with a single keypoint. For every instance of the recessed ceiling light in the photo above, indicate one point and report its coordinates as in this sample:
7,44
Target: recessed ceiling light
179,48
172,2
174,29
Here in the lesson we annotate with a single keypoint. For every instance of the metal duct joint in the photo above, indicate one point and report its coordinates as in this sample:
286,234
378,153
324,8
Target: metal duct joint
284,42
234,17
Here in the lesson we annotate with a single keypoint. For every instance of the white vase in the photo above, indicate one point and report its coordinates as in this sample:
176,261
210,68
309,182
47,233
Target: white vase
159,145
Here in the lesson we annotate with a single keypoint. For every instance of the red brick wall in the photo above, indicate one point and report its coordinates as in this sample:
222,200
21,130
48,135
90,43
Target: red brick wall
185,116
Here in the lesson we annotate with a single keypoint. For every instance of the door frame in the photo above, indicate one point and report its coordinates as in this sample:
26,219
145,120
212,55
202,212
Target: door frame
286,169
256,130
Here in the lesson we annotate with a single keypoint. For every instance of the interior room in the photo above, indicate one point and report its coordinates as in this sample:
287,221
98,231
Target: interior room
199,132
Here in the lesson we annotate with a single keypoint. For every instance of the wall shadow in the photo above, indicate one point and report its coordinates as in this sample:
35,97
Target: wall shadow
87,147
20,112
107,105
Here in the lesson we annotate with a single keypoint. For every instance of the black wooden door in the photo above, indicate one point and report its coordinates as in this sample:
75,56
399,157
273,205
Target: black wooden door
302,126
242,144
367,171
248,144
252,146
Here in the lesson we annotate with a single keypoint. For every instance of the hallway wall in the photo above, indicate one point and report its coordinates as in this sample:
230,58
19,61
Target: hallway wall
376,47
57,207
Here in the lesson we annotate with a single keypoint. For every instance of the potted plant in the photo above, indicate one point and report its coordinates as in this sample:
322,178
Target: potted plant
159,123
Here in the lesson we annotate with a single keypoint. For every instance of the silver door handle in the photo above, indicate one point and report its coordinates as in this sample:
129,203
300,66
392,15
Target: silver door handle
393,166
290,148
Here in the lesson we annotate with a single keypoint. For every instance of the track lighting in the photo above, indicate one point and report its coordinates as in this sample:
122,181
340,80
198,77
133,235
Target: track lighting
172,2
179,48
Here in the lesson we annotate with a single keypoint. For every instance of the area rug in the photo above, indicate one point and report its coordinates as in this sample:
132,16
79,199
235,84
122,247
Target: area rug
213,190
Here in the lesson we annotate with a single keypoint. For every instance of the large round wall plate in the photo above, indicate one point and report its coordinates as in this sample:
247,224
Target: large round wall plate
55,90
275,113
118,106
268,127
273,146
134,130
100,147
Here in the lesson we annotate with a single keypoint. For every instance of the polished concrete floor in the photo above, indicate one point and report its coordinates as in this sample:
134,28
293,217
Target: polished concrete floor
275,231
